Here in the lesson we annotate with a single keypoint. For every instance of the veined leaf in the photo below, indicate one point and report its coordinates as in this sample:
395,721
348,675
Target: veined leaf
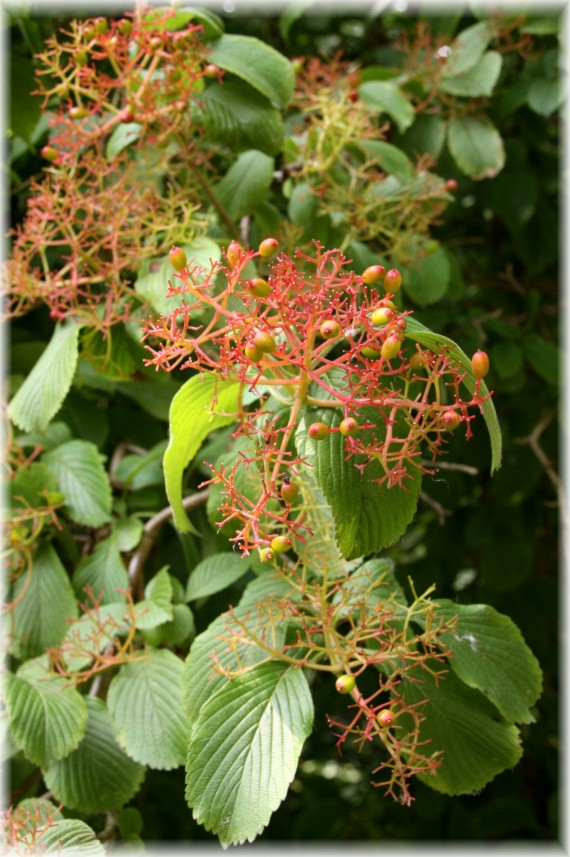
98,776
46,831
476,146
156,607
42,393
215,573
478,80
388,98
238,116
320,550
88,636
193,415
258,64
416,331
104,571
246,183
468,48
79,472
245,748
145,706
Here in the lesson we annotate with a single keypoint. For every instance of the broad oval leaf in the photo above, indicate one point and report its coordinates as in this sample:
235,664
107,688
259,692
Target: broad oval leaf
47,714
388,98
258,64
239,117
215,573
145,706
44,603
104,571
245,748
91,633
71,837
193,415
392,160
476,146
468,48
42,393
156,607
478,80
79,472
428,280
246,183
98,776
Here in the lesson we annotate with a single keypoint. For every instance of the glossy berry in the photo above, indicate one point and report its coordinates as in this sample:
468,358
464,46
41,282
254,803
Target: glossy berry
450,420
318,431
392,281
288,491
451,185
385,717
211,70
369,353
233,252
266,555
177,258
391,347
345,683
381,316
78,113
264,341
281,543
329,329
50,154
268,247
252,352
348,427
259,288
373,274
480,364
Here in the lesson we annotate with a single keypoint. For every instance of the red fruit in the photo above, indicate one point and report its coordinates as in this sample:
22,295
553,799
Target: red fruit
281,543
385,717
480,364
233,252
392,281
264,341
329,329
252,352
288,491
381,316
266,555
126,115
268,247
177,258
318,431
345,683
450,420
391,347
50,154
348,427
451,185
373,274
258,287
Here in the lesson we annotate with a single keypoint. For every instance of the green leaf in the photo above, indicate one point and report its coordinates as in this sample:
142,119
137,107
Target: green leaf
215,573
392,160
476,146
42,393
127,533
428,280
104,571
79,472
488,653
246,183
319,550
47,715
427,134
542,26
98,776
543,356
122,136
369,516
303,210
146,710
434,341
239,117
468,48
460,721
258,64
156,607
372,584
203,404
507,359
244,750
476,81
212,24
70,837
91,633
545,95
387,98
44,603
178,631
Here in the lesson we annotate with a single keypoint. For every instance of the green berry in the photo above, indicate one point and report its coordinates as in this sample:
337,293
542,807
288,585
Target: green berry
348,427
480,364
369,353
177,258
264,341
329,329
268,247
318,431
450,420
50,154
373,274
211,70
281,543
125,27
252,352
259,288
266,555
289,491
345,683
392,281
391,347
381,316
81,58
418,360
78,113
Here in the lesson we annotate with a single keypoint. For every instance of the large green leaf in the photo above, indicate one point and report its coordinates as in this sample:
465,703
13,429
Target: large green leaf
46,831
245,748
476,744
544,357
468,48
369,516
193,415
490,654
428,280
478,80
246,183
388,98
104,571
215,573
241,118
156,606
416,331
47,714
44,603
476,146
42,393
145,706
79,472
98,776
392,160
258,64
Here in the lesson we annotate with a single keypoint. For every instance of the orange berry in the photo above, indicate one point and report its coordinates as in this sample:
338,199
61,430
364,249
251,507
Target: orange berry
177,258
480,364
392,281
233,252
373,274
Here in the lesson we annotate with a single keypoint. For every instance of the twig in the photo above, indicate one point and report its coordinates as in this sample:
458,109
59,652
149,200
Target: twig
532,440
452,465
442,513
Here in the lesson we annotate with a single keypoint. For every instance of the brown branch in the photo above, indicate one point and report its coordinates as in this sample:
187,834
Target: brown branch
533,440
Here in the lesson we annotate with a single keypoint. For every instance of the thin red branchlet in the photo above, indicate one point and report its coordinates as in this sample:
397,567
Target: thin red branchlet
218,318
123,128
22,827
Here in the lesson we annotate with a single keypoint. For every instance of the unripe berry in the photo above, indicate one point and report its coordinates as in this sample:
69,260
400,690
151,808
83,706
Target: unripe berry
101,26
391,347
264,341
373,274
252,352
81,58
392,281
418,360
268,247
233,252
177,258
451,185
125,27
281,543
78,113
266,555
348,427
288,491
211,70
370,353
258,287
329,329
126,115
318,431
50,154
385,717
450,420
381,316
480,364
388,303
345,683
